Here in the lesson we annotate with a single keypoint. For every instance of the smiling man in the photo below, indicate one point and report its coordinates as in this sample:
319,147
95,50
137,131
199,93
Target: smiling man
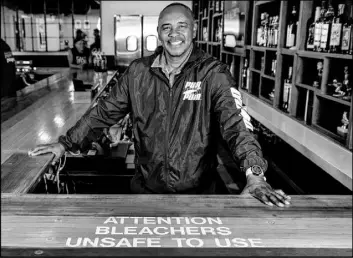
179,99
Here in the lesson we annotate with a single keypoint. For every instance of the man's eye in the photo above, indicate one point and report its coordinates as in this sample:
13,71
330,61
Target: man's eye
166,28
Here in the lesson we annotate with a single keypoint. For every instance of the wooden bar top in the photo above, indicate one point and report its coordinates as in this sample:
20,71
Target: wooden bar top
103,225
41,122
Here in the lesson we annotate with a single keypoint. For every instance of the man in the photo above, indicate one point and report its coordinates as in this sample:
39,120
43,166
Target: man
178,99
79,55
96,45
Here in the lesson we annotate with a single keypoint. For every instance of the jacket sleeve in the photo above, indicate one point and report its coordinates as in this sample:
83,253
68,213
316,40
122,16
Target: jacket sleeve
240,140
106,113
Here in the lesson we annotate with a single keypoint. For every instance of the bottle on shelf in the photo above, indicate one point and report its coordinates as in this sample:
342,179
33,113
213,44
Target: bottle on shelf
336,30
216,6
260,31
287,87
311,29
292,29
318,79
104,63
266,30
273,67
318,27
275,31
270,32
326,28
347,34
245,75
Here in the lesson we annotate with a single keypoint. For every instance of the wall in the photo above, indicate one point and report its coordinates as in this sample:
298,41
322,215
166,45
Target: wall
111,8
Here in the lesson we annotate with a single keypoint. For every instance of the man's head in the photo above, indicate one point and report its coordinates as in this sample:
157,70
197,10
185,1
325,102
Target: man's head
176,29
96,33
79,44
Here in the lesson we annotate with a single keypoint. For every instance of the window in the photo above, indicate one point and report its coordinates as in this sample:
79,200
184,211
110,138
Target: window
131,43
151,43
47,25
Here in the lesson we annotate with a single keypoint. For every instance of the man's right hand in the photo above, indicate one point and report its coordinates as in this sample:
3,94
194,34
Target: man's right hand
56,148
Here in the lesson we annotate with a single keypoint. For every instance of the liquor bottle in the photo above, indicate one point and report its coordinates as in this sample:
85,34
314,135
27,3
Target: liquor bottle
336,30
244,75
265,30
273,67
275,33
311,29
247,76
287,87
292,29
318,26
104,63
318,77
260,30
326,29
346,43
270,32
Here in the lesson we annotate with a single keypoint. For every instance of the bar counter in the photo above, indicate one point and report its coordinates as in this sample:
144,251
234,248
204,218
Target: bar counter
124,225
41,122
156,225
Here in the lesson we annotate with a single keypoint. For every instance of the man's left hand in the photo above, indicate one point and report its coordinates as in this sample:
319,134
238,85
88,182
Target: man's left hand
260,189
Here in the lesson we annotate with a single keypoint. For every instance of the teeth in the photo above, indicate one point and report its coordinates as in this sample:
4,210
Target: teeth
175,43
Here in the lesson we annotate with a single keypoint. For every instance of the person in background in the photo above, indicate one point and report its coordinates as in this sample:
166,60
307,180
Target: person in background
81,34
96,46
179,99
7,71
79,55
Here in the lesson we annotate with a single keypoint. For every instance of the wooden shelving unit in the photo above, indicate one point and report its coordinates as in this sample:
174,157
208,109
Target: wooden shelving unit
314,107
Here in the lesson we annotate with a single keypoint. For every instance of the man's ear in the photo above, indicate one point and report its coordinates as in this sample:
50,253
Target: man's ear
194,32
158,34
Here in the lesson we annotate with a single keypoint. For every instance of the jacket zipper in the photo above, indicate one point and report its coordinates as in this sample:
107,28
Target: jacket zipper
170,97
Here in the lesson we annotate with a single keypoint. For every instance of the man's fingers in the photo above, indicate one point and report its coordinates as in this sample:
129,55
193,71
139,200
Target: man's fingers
275,200
281,198
38,148
262,197
39,152
279,191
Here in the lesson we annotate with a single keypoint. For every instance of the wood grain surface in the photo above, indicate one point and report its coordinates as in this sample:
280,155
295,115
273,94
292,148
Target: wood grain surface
53,225
40,122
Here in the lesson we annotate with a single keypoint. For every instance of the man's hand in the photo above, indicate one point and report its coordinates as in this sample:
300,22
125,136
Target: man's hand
56,148
258,188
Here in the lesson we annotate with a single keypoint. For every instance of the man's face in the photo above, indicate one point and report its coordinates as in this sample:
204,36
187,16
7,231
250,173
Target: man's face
80,45
176,30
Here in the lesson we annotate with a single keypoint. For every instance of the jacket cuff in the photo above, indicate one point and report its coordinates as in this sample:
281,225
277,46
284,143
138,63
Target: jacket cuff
253,160
67,144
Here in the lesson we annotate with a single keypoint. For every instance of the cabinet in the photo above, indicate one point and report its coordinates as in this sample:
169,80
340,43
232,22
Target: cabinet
277,67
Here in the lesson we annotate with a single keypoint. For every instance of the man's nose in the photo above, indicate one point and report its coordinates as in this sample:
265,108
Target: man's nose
173,32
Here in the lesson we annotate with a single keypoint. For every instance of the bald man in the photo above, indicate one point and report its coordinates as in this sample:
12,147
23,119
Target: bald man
179,99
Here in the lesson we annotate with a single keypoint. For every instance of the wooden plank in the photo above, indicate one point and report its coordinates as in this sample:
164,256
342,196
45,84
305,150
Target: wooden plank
50,225
331,157
282,30
312,206
59,232
294,95
176,252
305,12
20,172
